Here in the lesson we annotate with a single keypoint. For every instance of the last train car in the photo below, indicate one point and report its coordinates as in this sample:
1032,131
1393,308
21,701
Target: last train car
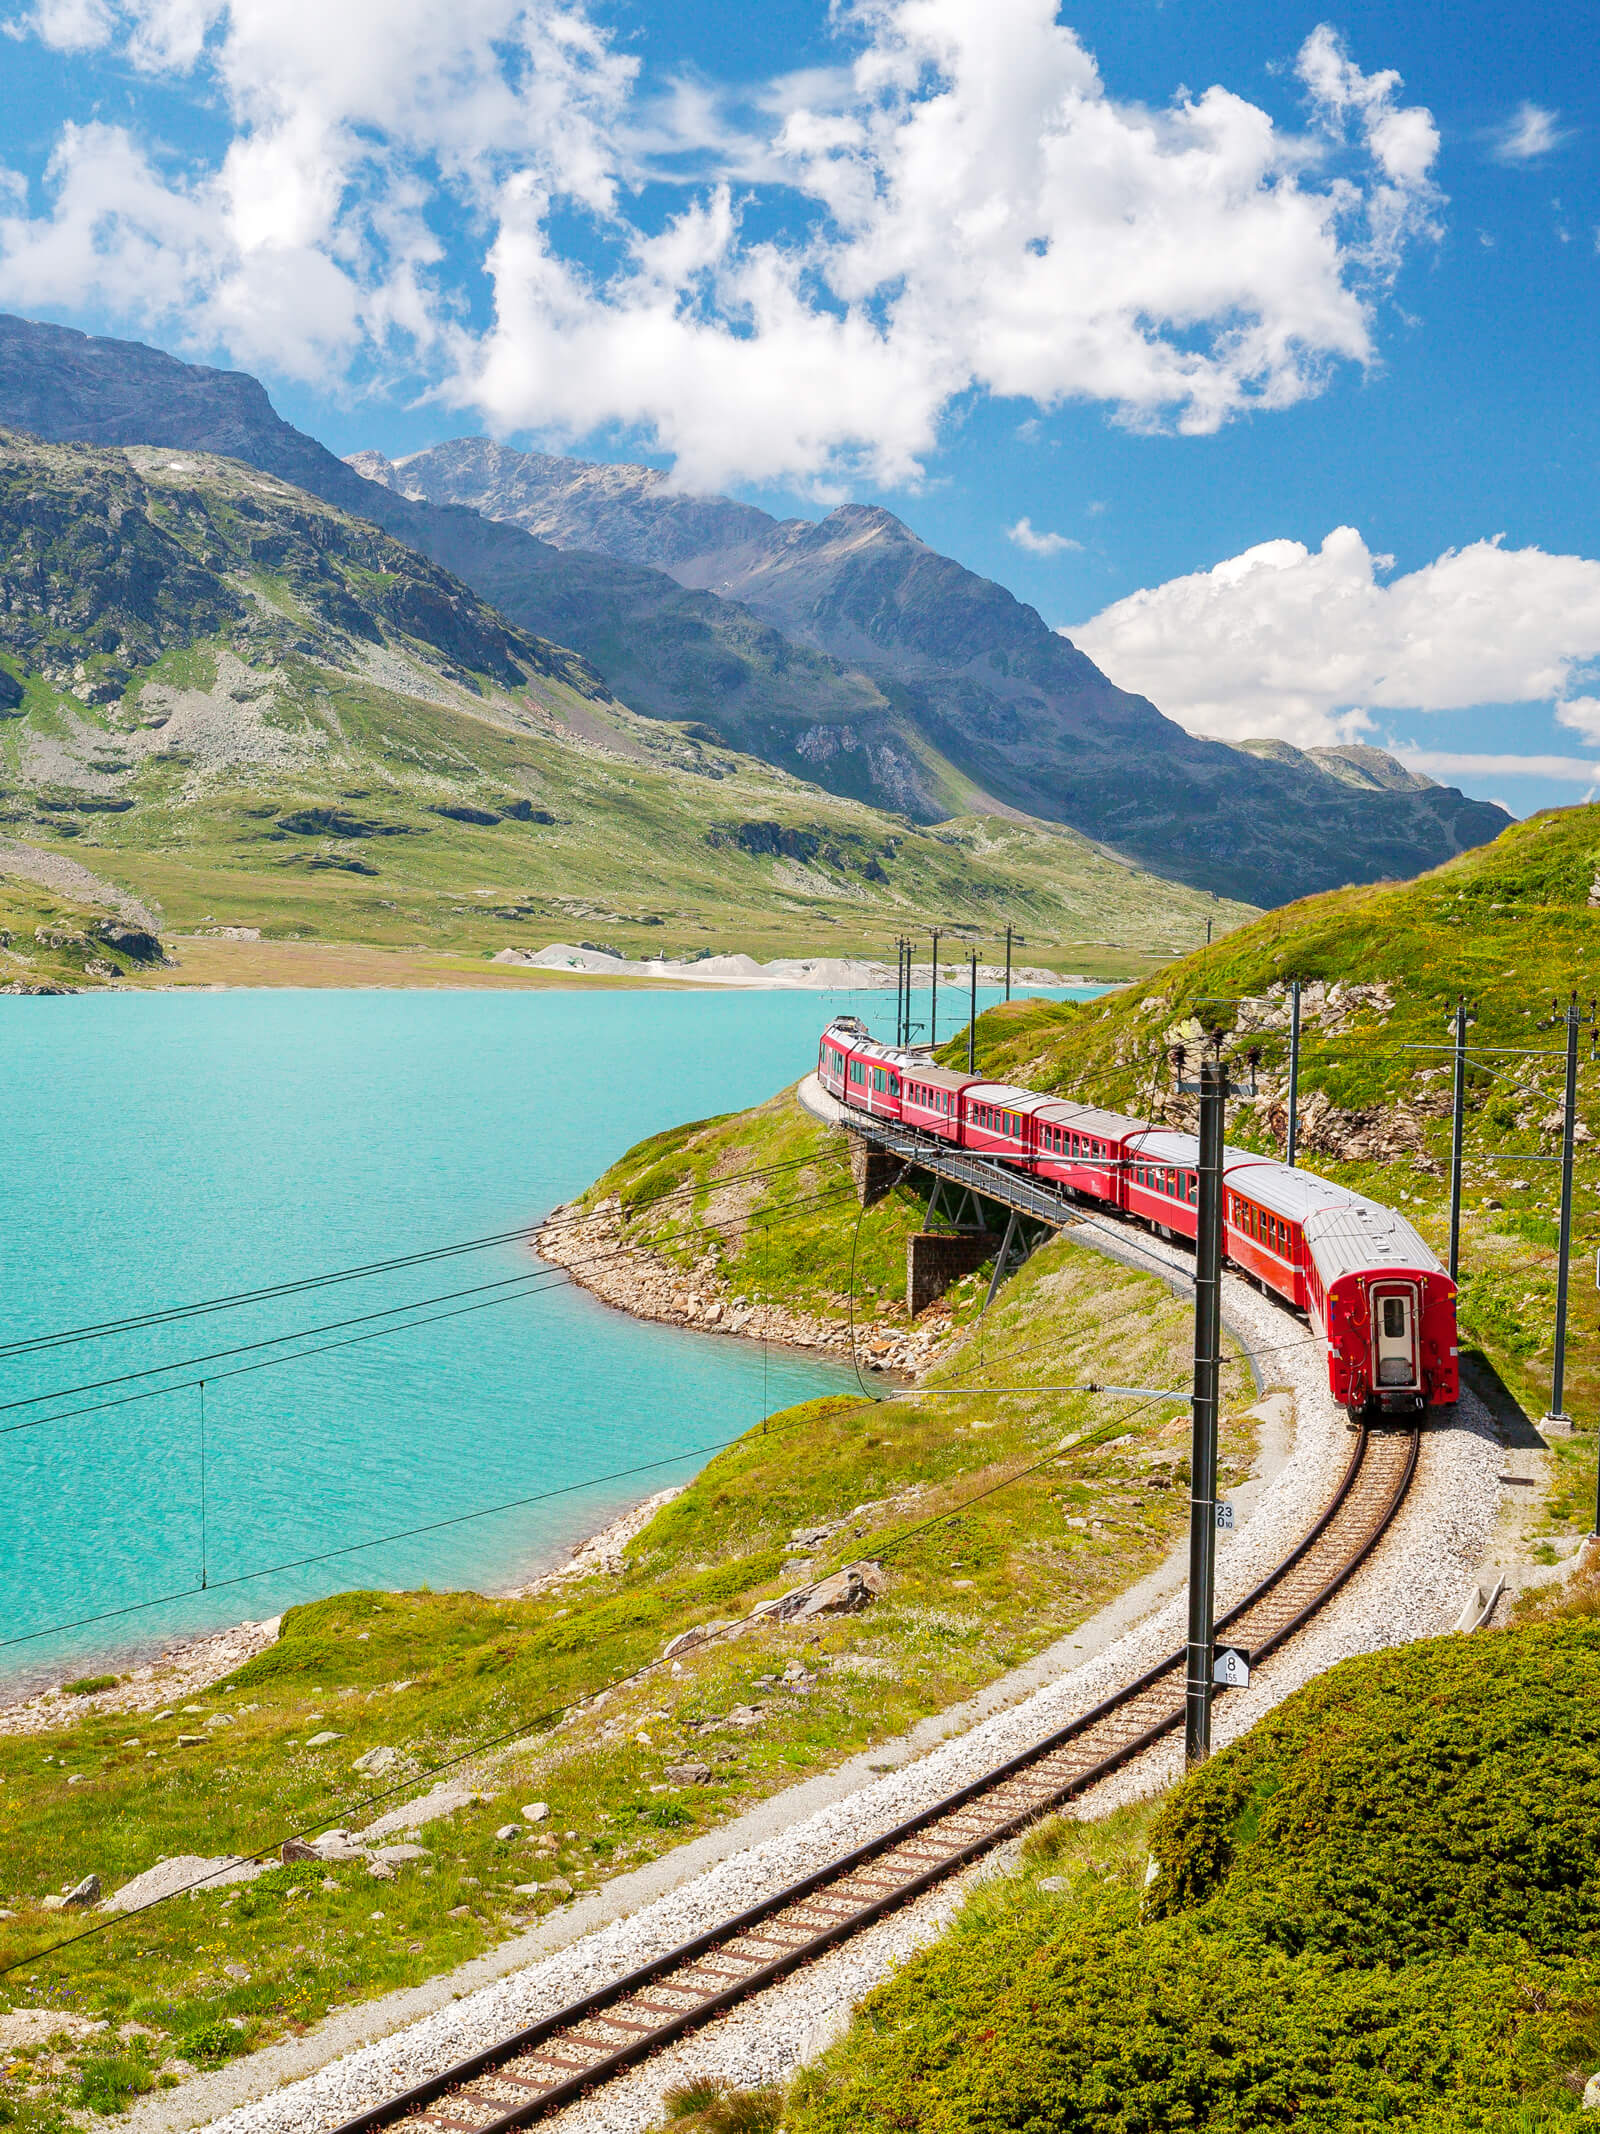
1385,1304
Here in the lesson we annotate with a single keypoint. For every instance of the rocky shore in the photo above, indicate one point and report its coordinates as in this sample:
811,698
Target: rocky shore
184,1669
592,1248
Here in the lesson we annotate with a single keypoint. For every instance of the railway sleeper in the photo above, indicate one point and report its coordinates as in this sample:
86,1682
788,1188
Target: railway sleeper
565,2059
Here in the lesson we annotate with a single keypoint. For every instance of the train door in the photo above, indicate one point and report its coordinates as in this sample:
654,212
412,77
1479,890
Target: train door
1394,1339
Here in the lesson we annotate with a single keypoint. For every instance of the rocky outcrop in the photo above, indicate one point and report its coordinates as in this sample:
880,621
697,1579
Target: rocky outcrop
593,1248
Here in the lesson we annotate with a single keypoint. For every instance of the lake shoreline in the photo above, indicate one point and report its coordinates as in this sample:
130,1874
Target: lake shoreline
591,1249
189,1666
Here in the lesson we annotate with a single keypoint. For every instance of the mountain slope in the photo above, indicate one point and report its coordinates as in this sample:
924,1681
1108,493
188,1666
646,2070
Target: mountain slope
977,679
945,695
1510,926
259,710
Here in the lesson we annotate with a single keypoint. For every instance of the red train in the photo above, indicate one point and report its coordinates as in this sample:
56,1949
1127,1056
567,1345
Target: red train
1378,1296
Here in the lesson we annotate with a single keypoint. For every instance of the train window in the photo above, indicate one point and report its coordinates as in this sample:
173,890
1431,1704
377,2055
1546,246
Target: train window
1194,1189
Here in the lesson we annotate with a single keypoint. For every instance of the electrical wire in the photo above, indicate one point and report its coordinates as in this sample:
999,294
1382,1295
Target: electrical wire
537,1722
517,1286
377,1541
558,1277
166,1314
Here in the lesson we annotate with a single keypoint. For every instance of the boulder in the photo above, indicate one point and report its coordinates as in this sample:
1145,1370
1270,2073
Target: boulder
743,1717
170,1877
84,1893
688,1774
297,1849
1591,2094
536,1811
689,1638
130,941
508,1833
845,1592
37,2026
316,1741
376,1760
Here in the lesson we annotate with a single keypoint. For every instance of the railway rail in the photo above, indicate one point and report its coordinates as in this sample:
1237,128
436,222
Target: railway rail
566,2055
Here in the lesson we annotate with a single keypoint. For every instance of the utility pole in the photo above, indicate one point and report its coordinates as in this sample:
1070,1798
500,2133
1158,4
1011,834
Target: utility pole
1212,1089
972,1020
899,986
1576,1020
1458,1120
1294,1070
933,1004
1008,963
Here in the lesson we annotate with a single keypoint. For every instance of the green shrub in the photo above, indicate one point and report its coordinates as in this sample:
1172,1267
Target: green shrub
86,1685
106,2083
1380,1909
1403,1804
212,2043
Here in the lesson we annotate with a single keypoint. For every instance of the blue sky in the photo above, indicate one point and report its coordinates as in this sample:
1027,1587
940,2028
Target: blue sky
1254,344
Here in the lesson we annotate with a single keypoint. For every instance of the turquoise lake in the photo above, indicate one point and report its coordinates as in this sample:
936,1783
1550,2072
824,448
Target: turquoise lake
166,1148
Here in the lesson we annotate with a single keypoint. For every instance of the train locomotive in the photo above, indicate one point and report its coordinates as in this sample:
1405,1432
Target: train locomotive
1377,1295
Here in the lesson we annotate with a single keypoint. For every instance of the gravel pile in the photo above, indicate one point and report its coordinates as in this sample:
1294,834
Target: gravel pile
1412,1587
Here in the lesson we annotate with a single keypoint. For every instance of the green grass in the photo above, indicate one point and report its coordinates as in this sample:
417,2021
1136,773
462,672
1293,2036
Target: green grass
432,1674
1377,1910
68,956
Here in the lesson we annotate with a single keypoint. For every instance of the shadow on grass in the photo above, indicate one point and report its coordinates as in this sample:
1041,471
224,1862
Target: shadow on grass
1514,1422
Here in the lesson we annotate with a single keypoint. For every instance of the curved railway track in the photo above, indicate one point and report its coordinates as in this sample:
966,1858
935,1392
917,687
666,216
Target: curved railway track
555,2061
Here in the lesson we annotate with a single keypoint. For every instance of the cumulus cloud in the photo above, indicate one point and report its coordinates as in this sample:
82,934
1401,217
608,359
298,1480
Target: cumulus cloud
1456,763
1305,644
965,207
1027,536
1529,133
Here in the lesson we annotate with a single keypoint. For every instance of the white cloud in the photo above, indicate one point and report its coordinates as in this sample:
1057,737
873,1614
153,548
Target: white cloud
1305,644
1026,536
1455,763
1529,133
966,208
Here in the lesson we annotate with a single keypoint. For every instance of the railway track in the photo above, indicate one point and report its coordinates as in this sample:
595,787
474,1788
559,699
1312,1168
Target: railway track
559,2059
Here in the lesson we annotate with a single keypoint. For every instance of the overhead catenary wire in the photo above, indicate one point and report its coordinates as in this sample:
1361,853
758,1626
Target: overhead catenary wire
511,1286
524,1726
167,1314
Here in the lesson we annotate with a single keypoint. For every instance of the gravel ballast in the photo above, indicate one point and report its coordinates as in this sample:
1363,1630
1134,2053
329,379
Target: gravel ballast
1412,1587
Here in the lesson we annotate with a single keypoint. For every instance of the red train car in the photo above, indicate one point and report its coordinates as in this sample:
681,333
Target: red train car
998,1120
930,1099
1082,1148
1375,1291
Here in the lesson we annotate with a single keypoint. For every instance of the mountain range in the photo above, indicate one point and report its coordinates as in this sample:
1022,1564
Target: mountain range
845,652
234,705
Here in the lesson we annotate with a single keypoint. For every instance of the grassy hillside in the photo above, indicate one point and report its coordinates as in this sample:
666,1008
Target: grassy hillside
1089,1494
1509,925
256,710
50,941
1376,1911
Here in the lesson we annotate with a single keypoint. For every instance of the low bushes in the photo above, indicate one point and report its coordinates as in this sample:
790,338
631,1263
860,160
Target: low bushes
1382,1909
